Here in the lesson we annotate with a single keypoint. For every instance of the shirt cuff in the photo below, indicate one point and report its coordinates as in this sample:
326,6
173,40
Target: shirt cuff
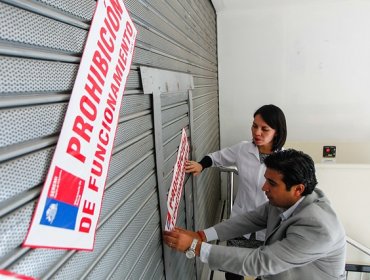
205,250
211,234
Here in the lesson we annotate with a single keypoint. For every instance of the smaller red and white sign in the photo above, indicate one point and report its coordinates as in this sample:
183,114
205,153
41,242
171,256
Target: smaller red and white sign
175,192
7,275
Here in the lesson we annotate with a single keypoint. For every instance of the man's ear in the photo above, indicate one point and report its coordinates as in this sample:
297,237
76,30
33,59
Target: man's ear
299,189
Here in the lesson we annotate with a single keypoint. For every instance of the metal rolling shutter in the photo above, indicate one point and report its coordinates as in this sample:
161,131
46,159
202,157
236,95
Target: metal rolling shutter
40,47
172,105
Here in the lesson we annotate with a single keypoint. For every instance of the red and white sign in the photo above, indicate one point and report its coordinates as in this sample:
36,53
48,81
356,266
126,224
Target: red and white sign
175,192
7,275
69,206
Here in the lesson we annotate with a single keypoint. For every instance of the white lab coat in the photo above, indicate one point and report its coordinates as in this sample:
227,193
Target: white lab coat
245,157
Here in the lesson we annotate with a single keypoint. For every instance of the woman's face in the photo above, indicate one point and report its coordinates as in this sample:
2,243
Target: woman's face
263,134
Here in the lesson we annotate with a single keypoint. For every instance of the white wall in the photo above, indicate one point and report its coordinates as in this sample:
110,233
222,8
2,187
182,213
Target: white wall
347,186
311,58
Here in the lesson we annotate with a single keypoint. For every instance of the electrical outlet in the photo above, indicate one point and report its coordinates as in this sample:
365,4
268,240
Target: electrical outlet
329,151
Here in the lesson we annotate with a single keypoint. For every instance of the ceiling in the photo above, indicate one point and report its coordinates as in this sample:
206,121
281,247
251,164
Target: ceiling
224,5
240,5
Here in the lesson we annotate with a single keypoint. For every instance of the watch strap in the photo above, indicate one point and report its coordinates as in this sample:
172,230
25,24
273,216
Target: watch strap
190,253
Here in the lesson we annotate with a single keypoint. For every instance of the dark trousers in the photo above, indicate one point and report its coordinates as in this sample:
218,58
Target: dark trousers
232,276
244,243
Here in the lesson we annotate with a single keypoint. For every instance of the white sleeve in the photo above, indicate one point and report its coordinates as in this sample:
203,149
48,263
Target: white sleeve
205,249
227,156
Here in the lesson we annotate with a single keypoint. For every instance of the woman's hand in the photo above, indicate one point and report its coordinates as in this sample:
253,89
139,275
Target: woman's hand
193,167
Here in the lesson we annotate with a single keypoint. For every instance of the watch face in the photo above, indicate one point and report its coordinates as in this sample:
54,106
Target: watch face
190,254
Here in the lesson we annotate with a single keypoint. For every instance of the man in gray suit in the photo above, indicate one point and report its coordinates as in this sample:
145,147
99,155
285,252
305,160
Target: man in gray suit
304,238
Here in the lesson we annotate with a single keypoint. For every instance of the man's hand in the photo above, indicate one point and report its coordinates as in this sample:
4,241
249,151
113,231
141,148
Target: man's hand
179,239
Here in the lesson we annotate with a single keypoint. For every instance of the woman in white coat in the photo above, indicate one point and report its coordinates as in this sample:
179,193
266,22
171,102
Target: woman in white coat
269,134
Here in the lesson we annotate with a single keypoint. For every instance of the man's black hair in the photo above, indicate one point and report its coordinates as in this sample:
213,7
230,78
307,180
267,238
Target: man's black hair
296,168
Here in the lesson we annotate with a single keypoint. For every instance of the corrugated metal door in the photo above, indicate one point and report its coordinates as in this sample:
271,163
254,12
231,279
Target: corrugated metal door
172,112
41,43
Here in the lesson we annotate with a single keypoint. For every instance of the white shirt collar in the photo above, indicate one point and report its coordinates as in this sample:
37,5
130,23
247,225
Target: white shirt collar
287,213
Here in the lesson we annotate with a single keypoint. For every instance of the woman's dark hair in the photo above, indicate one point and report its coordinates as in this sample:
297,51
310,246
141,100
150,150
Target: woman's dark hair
275,118
296,168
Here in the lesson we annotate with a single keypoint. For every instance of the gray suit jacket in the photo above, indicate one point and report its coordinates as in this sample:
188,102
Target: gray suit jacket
309,245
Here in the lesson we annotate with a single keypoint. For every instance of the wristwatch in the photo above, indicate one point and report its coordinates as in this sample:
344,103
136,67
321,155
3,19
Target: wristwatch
190,253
